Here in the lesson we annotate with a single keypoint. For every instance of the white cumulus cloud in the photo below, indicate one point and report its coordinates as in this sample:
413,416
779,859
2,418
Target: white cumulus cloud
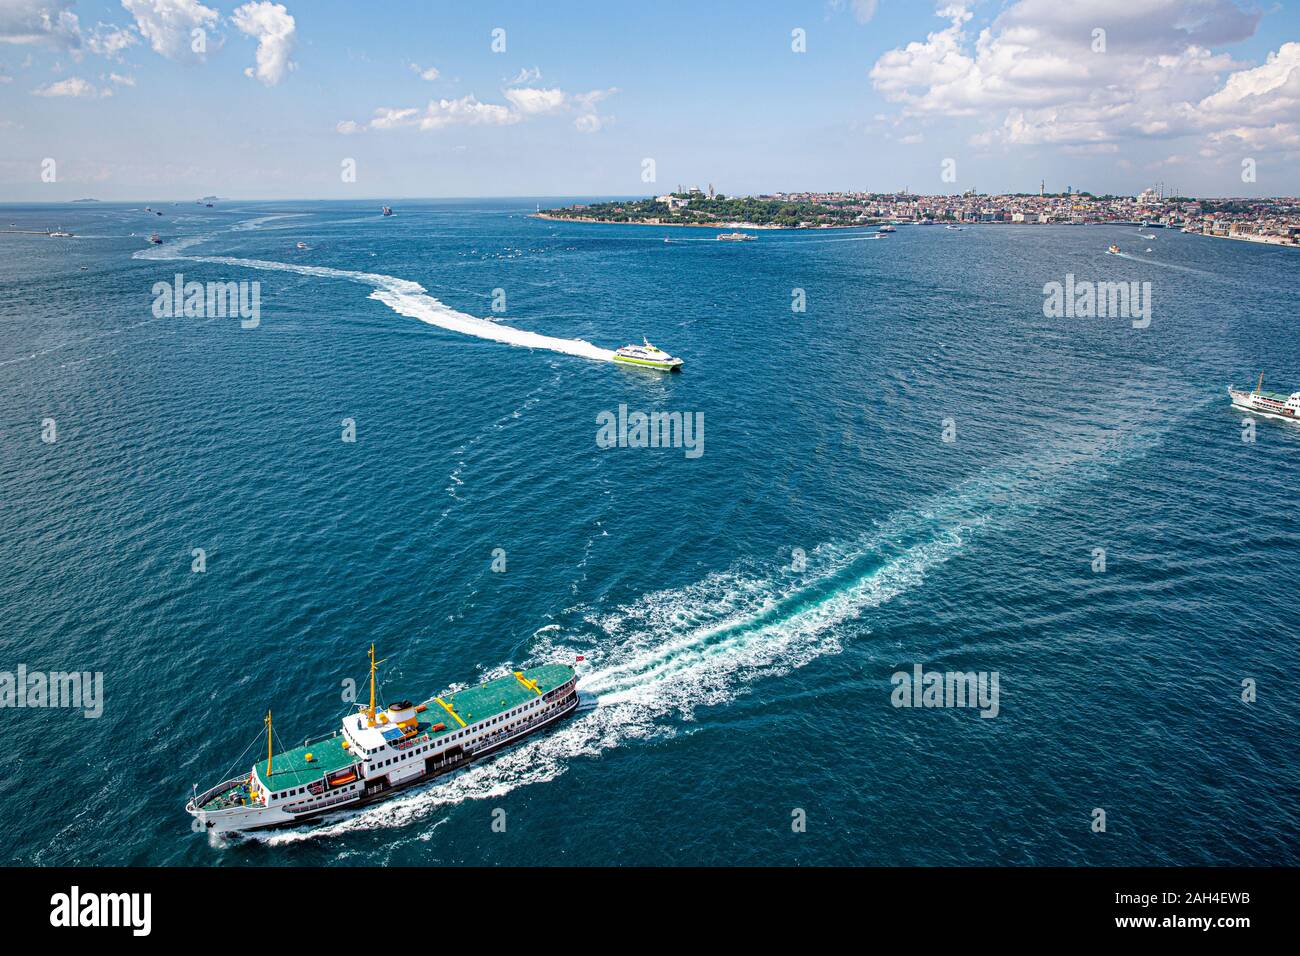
275,31
533,101
169,27
1040,74
47,22
521,103
73,86
429,73
525,75
109,41
466,111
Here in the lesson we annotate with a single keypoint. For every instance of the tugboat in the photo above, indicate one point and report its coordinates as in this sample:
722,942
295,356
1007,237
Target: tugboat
648,356
379,751
1265,403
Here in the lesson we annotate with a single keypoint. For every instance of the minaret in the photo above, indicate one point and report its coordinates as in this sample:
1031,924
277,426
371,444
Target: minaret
1042,188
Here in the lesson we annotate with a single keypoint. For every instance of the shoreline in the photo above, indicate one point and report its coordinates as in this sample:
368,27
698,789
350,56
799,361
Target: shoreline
1258,241
700,225
874,225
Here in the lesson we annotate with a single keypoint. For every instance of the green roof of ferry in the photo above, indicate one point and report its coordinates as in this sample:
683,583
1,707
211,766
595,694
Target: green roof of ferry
292,769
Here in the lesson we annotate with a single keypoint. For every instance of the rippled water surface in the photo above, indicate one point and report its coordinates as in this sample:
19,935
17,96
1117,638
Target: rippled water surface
740,612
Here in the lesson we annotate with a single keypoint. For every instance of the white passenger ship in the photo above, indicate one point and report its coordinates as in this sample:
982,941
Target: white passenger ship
377,752
1266,403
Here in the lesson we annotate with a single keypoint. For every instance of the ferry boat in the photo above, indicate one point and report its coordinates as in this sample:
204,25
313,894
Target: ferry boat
1266,403
1113,250
378,752
886,228
388,210
648,356
734,237
59,234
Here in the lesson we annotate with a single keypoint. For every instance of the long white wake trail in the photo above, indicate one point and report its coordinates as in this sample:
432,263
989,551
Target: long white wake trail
402,296
658,660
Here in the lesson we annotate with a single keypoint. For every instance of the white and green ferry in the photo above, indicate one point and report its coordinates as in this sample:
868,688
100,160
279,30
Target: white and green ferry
377,752
648,356
1270,404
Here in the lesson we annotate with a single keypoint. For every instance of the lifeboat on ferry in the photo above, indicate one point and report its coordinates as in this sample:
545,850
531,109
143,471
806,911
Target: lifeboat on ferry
341,777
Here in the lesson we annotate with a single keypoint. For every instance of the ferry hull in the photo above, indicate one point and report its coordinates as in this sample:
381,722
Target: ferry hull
643,363
250,819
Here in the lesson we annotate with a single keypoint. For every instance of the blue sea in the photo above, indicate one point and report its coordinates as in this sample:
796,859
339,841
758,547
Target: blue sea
919,468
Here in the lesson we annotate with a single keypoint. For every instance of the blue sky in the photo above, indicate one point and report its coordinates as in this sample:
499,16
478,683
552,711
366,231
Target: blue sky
1013,90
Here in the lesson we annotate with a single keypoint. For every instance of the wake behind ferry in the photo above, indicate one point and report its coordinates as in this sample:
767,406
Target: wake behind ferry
380,751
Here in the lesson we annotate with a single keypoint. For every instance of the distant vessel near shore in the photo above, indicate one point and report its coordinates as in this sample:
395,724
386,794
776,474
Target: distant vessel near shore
388,210
1266,403
734,237
380,751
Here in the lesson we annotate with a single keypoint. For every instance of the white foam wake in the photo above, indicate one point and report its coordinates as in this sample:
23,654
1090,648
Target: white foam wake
658,660
402,296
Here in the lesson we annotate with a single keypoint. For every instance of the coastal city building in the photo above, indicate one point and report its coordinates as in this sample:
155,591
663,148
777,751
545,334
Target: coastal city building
1273,220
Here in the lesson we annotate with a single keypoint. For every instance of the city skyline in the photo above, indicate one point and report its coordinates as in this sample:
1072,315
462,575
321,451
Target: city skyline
176,99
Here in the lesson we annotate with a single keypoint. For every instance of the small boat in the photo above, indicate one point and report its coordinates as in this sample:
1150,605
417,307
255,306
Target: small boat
302,245
1148,248
732,237
1113,250
388,210
155,239
954,228
648,356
